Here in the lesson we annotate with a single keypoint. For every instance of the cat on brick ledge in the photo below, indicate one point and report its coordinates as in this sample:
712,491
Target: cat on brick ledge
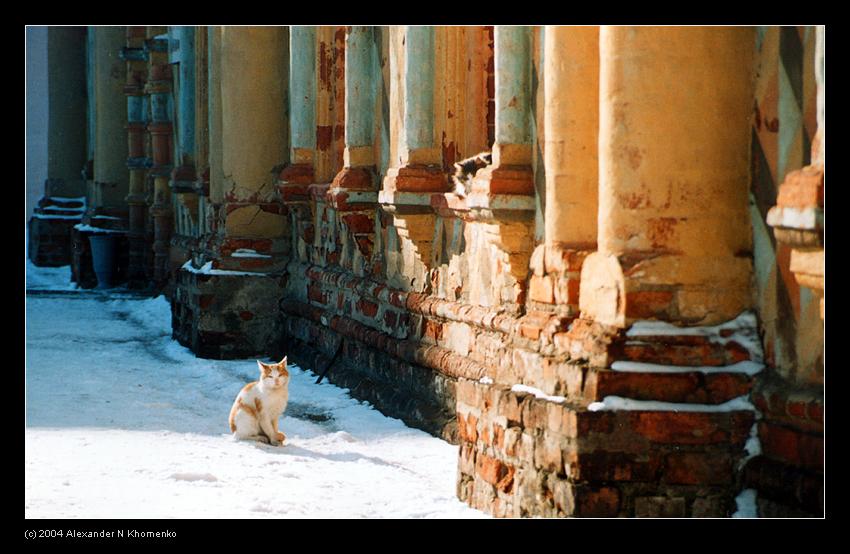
260,404
466,169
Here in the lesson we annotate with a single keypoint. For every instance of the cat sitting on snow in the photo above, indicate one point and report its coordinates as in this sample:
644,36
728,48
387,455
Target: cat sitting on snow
466,169
260,404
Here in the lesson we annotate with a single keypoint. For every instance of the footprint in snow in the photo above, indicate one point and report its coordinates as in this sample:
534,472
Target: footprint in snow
209,477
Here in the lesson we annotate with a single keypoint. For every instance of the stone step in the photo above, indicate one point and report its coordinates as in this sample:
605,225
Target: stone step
679,384
53,210
76,204
656,342
684,351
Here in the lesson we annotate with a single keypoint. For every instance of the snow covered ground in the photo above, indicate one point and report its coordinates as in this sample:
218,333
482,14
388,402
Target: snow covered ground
123,422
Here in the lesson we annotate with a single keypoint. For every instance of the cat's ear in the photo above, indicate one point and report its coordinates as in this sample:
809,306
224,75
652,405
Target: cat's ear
283,361
261,365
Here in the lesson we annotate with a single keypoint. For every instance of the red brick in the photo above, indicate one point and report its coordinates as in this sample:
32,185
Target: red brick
511,406
796,409
498,436
367,307
314,293
530,331
506,483
541,289
698,468
573,287
461,428
644,386
648,303
205,300
815,411
692,427
490,469
615,466
791,446
597,502
359,223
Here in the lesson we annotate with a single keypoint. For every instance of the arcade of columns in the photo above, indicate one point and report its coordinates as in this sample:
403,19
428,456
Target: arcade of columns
582,322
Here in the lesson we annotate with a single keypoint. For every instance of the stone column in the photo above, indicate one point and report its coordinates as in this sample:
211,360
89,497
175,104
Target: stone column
797,218
110,151
359,98
66,89
571,91
417,161
353,192
253,71
135,55
511,171
214,108
226,297
571,120
302,112
674,231
159,87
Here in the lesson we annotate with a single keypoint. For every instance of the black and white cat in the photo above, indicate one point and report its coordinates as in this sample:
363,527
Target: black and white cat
466,169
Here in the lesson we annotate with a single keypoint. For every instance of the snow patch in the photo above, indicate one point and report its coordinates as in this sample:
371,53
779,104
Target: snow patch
68,198
248,253
48,278
742,330
209,477
207,269
143,442
486,381
56,216
63,209
89,229
746,367
538,393
746,503
629,404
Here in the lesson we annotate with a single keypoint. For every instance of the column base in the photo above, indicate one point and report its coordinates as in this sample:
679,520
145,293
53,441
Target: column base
220,315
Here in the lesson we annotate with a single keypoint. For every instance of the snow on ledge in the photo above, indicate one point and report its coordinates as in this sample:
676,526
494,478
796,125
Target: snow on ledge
746,367
538,393
248,253
63,209
56,216
628,404
207,269
743,330
89,229
486,381
68,198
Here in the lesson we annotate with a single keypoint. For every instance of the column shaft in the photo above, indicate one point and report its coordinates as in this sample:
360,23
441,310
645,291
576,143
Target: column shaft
253,78
572,128
674,140
513,95
359,97
110,161
66,84
302,93
419,88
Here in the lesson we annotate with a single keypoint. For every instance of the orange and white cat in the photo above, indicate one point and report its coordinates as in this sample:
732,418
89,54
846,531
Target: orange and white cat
259,405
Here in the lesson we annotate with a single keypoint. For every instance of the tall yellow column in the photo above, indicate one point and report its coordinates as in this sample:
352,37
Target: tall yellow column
110,152
674,143
253,127
572,129
571,122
